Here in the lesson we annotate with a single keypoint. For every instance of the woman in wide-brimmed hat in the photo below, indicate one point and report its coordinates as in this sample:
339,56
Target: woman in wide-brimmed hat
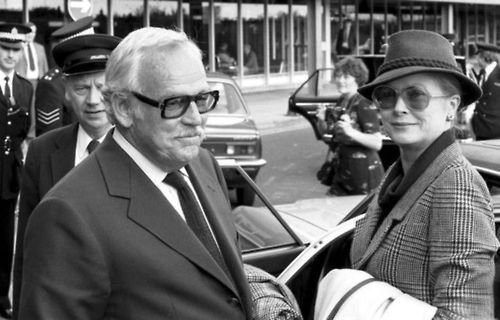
429,230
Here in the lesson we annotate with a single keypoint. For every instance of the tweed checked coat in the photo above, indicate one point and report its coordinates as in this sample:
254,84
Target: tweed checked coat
437,244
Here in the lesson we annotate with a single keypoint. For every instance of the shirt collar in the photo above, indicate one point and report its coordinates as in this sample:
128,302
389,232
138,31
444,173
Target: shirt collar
82,141
154,173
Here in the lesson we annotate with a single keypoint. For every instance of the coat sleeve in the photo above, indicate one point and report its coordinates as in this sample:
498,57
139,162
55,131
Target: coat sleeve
462,246
73,282
29,198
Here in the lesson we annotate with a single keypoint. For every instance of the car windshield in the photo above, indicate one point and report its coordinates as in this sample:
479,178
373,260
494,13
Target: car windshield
229,102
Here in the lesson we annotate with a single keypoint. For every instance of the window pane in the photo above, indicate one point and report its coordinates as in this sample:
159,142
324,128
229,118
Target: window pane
278,37
253,29
300,36
48,16
163,13
226,48
127,16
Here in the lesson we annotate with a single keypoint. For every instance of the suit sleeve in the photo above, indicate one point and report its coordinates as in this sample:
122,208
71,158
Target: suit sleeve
462,246
64,274
29,198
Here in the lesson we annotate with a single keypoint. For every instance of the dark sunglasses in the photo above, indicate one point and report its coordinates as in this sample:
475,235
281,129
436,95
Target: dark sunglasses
415,98
175,107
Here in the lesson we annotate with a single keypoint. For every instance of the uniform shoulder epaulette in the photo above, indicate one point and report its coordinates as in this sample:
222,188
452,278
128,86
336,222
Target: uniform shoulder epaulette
52,73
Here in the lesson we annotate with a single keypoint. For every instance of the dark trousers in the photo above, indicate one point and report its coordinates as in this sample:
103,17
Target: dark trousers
7,218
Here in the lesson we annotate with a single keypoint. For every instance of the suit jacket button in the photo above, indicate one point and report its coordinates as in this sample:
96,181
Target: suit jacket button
233,302
9,123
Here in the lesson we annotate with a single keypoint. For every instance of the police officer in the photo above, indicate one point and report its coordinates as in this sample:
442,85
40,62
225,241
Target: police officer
51,156
15,102
51,108
485,122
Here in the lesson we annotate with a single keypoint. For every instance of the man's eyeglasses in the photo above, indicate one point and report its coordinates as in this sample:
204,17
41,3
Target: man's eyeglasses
175,107
415,98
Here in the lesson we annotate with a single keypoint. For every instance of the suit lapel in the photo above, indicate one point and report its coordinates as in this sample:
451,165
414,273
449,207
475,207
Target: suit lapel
149,208
208,191
371,240
62,160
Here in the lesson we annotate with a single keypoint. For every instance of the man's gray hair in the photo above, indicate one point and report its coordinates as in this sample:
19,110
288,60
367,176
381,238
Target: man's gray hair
124,64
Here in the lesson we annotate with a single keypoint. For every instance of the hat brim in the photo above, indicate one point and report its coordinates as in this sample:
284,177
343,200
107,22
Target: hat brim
12,44
470,90
86,67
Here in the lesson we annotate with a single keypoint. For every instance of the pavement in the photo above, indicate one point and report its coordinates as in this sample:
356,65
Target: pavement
269,109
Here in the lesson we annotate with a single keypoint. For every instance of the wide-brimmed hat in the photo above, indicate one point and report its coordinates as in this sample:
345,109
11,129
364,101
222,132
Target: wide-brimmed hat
416,51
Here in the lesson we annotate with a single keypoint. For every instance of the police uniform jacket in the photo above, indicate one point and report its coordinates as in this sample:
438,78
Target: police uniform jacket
52,110
486,119
123,250
14,126
438,242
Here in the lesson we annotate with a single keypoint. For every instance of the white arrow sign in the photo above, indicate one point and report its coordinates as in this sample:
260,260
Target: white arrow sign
80,8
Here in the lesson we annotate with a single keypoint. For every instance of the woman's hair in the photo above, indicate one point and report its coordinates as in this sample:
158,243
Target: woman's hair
450,85
354,67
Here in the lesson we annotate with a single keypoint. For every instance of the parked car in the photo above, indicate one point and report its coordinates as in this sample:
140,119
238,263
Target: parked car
231,133
300,242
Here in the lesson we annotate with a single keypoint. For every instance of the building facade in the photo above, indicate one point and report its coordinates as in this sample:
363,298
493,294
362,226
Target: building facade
268,44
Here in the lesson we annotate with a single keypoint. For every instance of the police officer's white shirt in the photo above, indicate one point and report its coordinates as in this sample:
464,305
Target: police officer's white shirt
82,141
489,69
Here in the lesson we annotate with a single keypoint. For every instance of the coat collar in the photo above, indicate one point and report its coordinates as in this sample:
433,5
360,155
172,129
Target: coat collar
62,160
149,209
371,237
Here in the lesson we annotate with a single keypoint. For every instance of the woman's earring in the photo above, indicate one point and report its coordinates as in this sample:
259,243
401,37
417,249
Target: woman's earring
449,117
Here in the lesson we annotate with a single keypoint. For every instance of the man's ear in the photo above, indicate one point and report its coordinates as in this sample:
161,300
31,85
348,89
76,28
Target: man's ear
122,109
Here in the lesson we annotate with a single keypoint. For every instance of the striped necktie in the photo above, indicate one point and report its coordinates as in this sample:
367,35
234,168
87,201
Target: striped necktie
92,146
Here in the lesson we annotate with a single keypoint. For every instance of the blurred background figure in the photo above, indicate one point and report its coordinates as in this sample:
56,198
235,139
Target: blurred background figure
15,103
33,63
250,59
225,62
485,121
357,167
51,108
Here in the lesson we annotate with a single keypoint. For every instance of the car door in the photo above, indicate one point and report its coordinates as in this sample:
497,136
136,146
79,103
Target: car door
266,239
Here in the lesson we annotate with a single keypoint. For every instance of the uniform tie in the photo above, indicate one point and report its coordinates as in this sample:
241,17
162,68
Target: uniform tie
194,215
482,76
92,146
31,58
7,93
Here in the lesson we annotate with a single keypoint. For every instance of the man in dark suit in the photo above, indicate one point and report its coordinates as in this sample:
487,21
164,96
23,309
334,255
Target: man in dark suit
15,103
82,59
51,108
485,121
142,229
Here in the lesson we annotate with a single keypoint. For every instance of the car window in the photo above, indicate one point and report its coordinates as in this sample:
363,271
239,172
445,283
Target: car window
321,83
258,227
229,100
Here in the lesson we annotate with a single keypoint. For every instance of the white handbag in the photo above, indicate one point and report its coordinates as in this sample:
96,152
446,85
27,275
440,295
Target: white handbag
348,294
